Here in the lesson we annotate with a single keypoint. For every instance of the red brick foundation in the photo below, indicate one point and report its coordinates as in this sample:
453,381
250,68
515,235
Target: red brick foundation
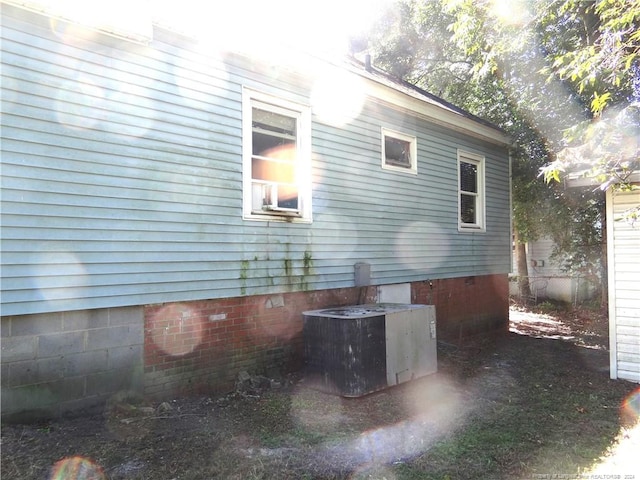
466,306
201,346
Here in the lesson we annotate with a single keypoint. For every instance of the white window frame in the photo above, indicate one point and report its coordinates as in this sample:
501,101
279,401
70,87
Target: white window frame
480,197
413,151
302,114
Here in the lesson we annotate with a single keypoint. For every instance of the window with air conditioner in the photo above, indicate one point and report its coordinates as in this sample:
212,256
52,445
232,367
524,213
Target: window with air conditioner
471,195
277,137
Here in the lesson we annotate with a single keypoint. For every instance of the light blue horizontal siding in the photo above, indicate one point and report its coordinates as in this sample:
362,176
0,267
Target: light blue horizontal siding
122,182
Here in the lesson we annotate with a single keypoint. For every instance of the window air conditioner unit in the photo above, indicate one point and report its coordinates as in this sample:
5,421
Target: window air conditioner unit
271,203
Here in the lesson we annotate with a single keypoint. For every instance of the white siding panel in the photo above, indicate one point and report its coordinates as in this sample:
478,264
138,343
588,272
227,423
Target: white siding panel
631,313
626,272
630,321
624,242
627,290
629,371
542,249
630,358
628,334
632,348
626,300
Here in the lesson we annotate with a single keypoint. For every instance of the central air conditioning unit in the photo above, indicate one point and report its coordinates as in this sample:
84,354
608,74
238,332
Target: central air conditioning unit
355,350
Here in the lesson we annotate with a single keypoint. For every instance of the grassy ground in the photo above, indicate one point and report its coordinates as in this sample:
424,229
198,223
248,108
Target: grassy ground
533,404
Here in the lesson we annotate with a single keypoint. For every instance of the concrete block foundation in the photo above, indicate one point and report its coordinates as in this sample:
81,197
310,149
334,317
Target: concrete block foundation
59,363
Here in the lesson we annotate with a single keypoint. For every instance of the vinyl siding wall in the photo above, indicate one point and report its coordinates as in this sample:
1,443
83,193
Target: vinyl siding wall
122,182
624,289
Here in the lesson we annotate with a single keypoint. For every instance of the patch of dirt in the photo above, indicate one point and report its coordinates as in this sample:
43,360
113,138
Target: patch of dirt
281,428
584,327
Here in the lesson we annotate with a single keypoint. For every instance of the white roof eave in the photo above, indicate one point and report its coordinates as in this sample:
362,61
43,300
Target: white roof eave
411,100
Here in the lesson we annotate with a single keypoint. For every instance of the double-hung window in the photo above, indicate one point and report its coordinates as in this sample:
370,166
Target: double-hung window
276,143
471,192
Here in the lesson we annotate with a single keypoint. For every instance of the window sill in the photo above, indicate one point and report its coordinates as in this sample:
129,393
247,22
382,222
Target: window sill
471,229
289,217
405,170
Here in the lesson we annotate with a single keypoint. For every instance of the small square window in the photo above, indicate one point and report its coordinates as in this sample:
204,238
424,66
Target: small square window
399,152
470,191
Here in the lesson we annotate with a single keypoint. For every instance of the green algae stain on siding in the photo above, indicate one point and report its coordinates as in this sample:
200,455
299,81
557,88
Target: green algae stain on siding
307,262
296,271
307,265
244,273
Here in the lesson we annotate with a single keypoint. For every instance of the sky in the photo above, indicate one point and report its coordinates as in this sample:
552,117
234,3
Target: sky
313,26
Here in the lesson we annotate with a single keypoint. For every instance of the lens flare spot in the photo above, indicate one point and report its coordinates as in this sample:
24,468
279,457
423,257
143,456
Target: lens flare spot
132,111
621,458
69,32
435,396
200,77
342,231
73,20
337,97
176,329
59,276
373,472
275,330
316,411
630,408
410,247
76,468
78,103
388,444
511,12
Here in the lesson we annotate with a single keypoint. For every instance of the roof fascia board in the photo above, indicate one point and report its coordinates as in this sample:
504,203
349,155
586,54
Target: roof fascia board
408,98
434,113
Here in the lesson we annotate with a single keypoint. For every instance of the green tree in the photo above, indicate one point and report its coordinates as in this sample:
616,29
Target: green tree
500,66
604,66
592,49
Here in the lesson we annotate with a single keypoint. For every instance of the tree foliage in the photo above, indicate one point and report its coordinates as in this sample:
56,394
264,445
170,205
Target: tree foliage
593,49
541,70
601,61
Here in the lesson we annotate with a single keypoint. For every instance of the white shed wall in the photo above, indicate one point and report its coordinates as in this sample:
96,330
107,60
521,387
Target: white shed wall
623,240
558,284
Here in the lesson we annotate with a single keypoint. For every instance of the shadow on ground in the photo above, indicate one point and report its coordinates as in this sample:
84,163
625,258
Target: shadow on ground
535,402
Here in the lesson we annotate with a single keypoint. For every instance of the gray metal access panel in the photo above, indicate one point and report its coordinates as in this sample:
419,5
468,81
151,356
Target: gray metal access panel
410,343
